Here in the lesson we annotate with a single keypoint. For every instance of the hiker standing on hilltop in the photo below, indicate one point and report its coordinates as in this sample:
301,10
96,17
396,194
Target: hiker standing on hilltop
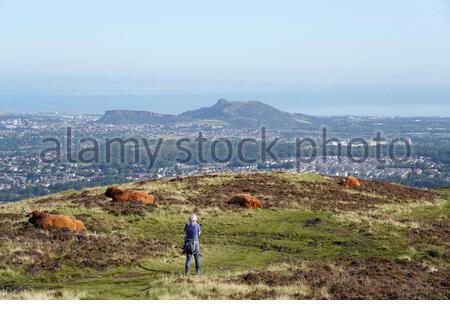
191,245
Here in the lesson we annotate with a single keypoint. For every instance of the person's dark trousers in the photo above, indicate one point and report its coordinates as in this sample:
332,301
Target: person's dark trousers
188,262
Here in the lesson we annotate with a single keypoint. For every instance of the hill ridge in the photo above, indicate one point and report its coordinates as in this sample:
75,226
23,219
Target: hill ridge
251,114
312,239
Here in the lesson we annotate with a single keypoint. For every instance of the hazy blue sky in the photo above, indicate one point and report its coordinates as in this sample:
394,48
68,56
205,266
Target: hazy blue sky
315,51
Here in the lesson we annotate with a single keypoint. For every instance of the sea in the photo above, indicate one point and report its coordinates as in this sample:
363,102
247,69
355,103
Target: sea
178,103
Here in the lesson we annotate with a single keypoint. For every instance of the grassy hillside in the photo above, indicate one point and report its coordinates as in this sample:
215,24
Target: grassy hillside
311,239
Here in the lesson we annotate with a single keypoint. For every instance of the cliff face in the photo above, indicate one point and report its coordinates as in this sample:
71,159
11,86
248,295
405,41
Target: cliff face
136,117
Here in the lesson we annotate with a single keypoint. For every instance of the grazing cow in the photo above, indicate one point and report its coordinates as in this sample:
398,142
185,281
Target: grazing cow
49,221
120,195
246,200
350,182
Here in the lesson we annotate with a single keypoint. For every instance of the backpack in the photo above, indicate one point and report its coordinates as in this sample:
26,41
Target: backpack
190,247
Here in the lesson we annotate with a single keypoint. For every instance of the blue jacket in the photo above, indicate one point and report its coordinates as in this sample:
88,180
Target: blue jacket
191,231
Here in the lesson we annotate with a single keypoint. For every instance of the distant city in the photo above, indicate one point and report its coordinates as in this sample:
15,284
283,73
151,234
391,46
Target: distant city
24,174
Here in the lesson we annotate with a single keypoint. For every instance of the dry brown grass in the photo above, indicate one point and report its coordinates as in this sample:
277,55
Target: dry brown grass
42,295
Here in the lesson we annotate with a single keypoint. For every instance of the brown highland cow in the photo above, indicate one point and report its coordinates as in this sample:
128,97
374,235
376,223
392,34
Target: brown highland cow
246,200
120,195
49,221
350,182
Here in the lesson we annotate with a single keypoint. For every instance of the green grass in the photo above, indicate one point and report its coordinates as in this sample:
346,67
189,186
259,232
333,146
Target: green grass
234,241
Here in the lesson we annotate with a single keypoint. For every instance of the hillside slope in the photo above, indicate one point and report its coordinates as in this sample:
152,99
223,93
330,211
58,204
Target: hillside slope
239,114
311,239
247,114
136,117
